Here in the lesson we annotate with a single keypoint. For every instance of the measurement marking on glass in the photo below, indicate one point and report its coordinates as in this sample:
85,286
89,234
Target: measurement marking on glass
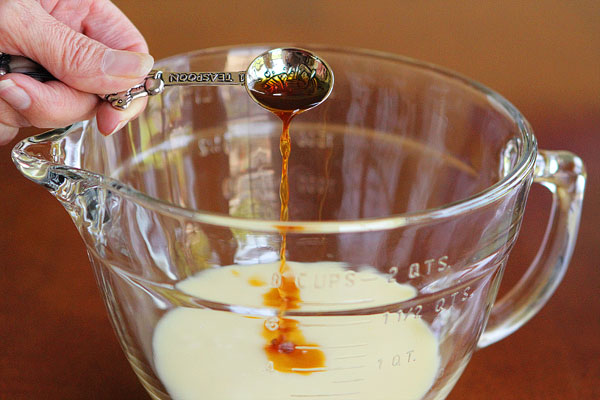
358,322
325,395
350,356
319,369
369,278
340,346
349,380
337,303
323,369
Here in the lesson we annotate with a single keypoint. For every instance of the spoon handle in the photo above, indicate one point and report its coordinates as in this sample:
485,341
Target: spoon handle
154,83
204,78
25,66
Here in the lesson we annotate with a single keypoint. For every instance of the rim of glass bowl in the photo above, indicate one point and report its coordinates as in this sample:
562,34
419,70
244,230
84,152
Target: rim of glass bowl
523,166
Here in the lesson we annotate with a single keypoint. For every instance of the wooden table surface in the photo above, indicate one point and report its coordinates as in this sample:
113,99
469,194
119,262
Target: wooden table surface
56,341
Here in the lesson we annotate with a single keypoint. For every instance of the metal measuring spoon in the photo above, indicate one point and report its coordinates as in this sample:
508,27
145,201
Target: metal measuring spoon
282,79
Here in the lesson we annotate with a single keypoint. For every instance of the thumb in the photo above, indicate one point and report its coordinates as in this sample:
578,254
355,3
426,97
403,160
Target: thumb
73,58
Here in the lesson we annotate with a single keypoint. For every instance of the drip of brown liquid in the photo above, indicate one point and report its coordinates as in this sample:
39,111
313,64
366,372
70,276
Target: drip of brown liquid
286,345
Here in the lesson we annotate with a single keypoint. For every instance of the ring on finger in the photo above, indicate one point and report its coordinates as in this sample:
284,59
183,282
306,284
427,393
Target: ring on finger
4,63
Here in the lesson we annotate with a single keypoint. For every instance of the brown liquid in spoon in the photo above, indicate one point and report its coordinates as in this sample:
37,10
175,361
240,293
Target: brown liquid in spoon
286,345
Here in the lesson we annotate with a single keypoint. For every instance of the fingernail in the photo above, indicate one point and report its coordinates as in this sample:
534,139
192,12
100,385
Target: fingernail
119,126
7,133
14,95
126,64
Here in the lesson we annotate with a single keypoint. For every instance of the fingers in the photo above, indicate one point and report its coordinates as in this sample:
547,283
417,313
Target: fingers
111,120
91,48
77,60
10,122
48,105
7,133
21,106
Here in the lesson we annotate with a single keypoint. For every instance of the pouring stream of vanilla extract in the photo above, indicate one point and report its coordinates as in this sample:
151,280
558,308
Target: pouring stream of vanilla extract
288,82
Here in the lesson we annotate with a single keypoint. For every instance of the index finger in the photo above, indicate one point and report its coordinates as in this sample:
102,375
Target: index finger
102,21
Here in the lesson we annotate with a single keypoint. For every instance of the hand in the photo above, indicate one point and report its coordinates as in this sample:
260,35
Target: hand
88,45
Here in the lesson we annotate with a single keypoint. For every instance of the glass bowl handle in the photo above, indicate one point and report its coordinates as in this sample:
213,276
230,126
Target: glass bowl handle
562,173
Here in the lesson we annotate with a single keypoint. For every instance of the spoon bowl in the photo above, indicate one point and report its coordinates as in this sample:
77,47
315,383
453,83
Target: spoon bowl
288,80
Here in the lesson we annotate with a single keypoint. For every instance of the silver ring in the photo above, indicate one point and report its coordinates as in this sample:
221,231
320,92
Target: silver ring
4,63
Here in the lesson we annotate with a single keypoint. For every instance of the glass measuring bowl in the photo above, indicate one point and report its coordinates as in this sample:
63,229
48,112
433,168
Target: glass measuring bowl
407,190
